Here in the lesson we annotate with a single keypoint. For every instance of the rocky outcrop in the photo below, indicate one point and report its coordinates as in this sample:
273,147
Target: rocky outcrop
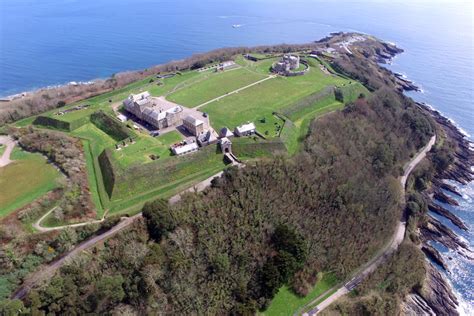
434,298
434,256
447,187
438,209
433,230
404,83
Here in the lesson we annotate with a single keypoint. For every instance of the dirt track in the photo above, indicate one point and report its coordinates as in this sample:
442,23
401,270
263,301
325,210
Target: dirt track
9,143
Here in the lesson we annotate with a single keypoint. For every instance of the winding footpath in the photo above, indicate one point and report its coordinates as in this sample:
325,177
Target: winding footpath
48,271
9,143
37,224
383,256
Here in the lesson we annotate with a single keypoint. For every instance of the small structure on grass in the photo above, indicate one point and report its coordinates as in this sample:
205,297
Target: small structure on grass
225,144
206,138
184,149
245,129
122,118
225,132
225,65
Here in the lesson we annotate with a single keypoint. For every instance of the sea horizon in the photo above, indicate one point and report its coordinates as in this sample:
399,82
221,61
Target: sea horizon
52,44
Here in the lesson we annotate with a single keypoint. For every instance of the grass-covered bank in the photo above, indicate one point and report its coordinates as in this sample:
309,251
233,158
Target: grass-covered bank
287,302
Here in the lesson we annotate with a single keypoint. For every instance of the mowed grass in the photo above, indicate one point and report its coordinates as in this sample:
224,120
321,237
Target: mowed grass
215,85
94,142
145,146
263,99
102,101
24,180
287,303
164,178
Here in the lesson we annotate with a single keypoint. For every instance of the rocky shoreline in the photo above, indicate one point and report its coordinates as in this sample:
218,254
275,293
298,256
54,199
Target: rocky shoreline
436,296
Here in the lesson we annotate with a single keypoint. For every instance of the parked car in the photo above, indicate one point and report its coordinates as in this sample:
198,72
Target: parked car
154,133
204,114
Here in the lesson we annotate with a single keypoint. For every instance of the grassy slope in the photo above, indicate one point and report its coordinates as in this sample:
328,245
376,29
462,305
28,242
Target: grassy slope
287,303
94,141
25,180
216,85
167,177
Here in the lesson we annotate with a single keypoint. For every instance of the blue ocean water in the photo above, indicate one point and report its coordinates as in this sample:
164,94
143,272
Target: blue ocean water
52,42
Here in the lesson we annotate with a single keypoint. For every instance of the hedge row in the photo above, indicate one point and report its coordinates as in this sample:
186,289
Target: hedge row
110,126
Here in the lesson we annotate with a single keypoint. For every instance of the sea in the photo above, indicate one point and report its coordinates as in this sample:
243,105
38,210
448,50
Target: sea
53,42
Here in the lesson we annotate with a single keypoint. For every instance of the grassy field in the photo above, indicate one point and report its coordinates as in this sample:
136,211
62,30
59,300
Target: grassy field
287,303
215,85
140,151
102,101
26,179
254,147
163,178
263,99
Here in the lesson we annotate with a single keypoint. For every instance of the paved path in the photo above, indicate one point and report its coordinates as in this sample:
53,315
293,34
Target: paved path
37,224
48,271
390,249
9,143
235,91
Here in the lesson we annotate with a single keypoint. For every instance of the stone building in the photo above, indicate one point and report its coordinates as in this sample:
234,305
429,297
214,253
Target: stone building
142,106
193,125
286,64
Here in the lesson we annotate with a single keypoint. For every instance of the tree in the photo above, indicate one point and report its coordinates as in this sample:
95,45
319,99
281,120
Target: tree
286,239
12,307
158,218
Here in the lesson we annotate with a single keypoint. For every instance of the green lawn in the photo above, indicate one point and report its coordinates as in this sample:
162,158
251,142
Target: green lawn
24,180
2,149
215,85
163,178
262,66
261,100
287,303
140,151
95,141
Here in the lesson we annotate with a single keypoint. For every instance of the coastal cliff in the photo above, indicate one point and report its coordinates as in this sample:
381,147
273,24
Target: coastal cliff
450,162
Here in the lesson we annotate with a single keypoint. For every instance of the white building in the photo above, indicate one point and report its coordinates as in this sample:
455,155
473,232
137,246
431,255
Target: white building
245,130
185,149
